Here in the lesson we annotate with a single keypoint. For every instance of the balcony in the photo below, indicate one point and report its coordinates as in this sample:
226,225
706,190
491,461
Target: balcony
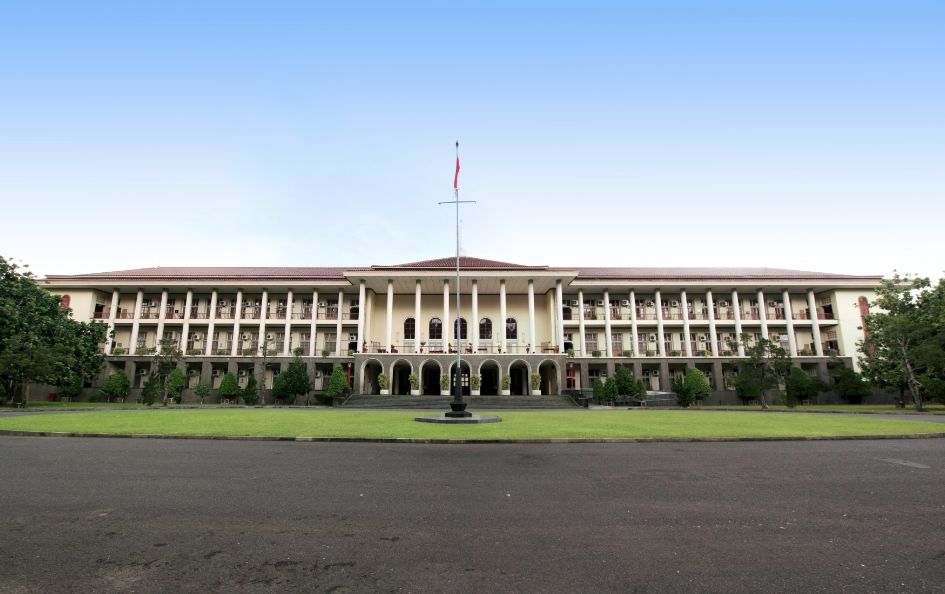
698,314
100,315
671,313
590,313
220,347
615,314
225,313
775,313
328,314
305,314
250,313
149,313
724,313
172,314
199,314
276,314
646,313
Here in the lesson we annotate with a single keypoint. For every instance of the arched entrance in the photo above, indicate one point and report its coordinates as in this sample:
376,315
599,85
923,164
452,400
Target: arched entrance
400,378
430,378
369,372
489,378
518,373
549,378
464,379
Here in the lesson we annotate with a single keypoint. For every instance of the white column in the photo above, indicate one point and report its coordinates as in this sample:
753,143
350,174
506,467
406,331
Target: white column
185,333
531,316
208,344
136,323
112,316
263,314
687,337
559,314
237,341
474,323
581,322
417,318
313,332
339,343
502,315
763,313
362,314
161,315
713,333
287,338
368,316
814,323
609,350
390,315
789,320
660,343
550,309
736,304
634,335
447,323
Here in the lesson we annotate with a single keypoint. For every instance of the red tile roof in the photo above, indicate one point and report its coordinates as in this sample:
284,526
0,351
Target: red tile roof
214,273
466,262
587,273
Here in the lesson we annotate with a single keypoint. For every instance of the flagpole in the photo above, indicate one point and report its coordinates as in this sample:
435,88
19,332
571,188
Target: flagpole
458,405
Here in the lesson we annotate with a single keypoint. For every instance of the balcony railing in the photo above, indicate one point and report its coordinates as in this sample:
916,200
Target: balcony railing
220,347
100,315
590,313
646,313
302,315
250,313
670,313
698,314
173,314
724,313
199,314
328,314
149,313
276,314
225,313
775,313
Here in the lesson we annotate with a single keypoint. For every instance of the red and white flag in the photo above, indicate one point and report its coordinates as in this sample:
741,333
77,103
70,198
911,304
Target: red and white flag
456,175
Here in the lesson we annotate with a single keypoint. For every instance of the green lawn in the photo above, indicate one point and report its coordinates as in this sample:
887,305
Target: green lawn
851,408
516,425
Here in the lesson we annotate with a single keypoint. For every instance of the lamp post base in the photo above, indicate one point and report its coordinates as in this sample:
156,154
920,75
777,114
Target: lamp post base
457,411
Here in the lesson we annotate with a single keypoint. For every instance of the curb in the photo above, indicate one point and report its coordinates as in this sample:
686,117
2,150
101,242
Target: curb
408,440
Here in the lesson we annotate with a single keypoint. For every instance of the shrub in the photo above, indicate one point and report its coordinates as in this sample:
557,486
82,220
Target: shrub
382,381
799,386
116,386
506,382
414,380
338,383
202,391
229,388
151,391
444,381
691,387
850,385
595,353
250,393
475,381
175,384
326,353
605,390
624,381
535,380
650,353
118,351
569,352
281,389
674,353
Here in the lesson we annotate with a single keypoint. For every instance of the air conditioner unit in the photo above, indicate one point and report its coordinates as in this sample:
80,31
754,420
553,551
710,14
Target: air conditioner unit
318,373
702,338
352,336
244,372
322,304
674,303
655,373
283,303
142,371
600,302
723,303
625,302
652,338
270,337
222,303
772,303
195,336
574,303
245,336
649,303
217,373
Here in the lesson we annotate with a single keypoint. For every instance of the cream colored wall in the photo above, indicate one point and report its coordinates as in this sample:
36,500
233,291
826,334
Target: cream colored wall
432,307
847,311
82,303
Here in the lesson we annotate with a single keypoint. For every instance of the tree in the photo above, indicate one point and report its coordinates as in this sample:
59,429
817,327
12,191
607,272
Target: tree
166,359
202,391
693,386
904,345
251,392
338,383
850,385
280,389
623,377
766,366
799,387
297,381
39,341
151,390
229,388
175,384
605,390
116,387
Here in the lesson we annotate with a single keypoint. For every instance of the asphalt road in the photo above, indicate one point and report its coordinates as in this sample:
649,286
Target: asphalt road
134,515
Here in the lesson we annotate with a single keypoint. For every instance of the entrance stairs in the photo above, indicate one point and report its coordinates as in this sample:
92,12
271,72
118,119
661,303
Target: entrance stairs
475,403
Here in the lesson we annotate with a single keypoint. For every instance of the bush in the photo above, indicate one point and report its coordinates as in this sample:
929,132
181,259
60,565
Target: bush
595,353
116,386
799,386
506,382
382,381
281,389
175,384
535,380
151,391
850,385
202,391
691,387
229,388
250,393
338,383
414,380
623,378
444,381
118,351
475,381
605,390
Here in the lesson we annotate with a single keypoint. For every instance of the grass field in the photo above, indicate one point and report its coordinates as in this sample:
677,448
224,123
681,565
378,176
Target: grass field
516,425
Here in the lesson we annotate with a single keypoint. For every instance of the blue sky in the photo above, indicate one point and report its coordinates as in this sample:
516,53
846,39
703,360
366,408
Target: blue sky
805,135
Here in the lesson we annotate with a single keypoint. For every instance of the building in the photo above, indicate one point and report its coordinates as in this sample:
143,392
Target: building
569,325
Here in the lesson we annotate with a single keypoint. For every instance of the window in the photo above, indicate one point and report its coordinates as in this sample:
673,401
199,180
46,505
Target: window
436,329
65,301
511,329
462,328
410,329
485,329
